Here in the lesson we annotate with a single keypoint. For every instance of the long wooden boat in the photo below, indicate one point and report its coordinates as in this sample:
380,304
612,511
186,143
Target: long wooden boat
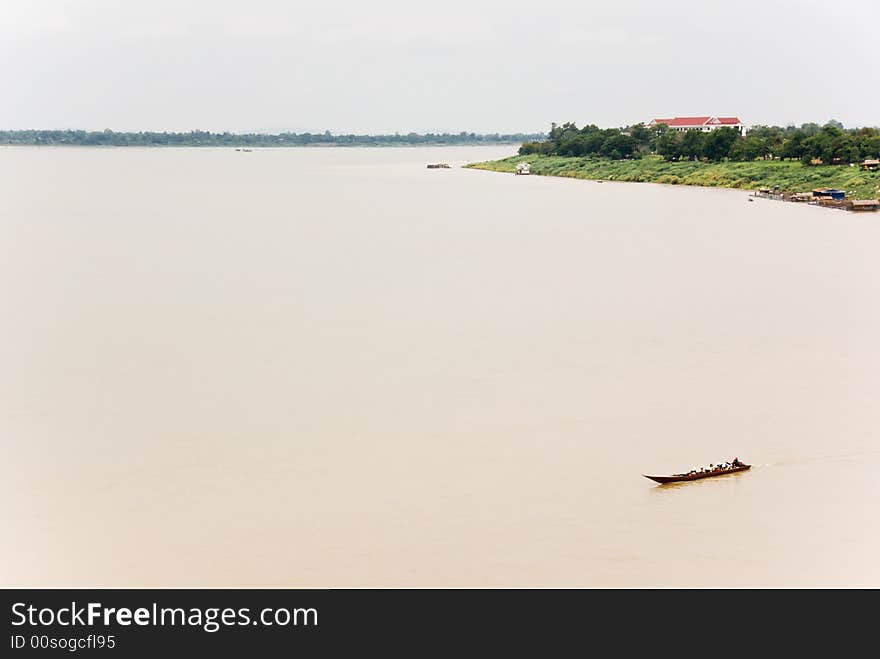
678,478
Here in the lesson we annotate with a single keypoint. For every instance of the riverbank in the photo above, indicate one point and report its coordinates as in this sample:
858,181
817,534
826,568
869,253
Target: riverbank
209,139
790,176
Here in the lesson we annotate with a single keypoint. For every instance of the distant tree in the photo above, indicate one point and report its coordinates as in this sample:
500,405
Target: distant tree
206,138
571,145
717,143
668,145
820,146
594,140
618,146
529,148
692,144
748,148
643,137
793,148
828,143
660,129
870,147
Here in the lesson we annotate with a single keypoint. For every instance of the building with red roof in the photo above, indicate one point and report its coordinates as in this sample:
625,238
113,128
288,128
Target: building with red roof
700,123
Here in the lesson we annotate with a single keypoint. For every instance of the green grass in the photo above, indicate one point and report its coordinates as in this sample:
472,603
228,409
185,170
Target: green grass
789,176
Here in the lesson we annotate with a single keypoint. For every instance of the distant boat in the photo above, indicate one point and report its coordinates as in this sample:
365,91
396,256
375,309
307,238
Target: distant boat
247,150
697,475
522,168
439,165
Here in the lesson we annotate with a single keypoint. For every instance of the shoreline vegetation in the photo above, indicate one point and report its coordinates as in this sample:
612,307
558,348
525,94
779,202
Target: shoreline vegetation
789,176
207,138
788,160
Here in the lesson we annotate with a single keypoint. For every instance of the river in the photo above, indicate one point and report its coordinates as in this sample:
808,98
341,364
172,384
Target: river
336,367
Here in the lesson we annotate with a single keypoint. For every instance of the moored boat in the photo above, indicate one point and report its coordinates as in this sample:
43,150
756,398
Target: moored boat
698,475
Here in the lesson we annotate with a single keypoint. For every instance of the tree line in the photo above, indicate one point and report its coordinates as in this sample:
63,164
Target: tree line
207,138
810,143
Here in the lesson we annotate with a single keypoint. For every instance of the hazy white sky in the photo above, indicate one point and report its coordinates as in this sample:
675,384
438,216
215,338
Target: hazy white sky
394,65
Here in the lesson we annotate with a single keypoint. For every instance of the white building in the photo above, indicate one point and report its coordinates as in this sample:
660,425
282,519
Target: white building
700,123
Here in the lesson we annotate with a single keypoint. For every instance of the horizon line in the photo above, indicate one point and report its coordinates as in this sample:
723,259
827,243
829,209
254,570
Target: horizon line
398,133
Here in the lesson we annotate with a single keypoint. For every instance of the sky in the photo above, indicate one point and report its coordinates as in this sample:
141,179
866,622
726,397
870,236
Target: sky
385,66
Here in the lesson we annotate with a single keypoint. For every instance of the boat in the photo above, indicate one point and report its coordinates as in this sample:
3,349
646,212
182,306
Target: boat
439,165
698,475
522,168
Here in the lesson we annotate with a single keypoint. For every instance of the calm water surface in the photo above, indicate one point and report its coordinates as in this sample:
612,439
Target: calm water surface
335,367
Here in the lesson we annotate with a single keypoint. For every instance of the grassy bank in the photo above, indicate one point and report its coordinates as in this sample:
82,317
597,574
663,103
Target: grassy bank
789,176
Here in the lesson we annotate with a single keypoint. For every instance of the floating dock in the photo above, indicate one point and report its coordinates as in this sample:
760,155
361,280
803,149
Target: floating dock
825,197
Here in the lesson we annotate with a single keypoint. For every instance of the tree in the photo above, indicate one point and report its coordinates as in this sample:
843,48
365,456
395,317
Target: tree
643,137
692,144
717,143
593,141
668,145
618,146
792,148
748,148
820,146
870,147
